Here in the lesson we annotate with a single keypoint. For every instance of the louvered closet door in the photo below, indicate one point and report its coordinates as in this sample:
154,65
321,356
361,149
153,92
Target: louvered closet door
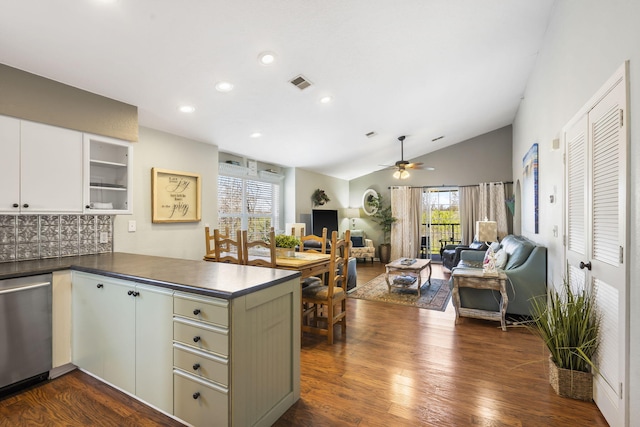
597,215
576,155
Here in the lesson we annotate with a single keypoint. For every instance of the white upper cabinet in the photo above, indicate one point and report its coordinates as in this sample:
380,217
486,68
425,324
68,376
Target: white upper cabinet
10,164
107,175
43,168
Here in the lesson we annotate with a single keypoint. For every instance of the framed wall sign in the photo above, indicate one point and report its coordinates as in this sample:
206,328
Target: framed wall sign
175,196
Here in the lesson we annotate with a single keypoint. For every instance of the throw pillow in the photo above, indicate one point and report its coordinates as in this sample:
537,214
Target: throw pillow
357,241
476,245
501,259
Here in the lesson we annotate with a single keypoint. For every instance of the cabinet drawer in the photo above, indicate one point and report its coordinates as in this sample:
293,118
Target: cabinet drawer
200,308
198,402
199,335
201,364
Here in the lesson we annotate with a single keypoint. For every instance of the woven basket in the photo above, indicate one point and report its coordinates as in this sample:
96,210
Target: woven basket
568,383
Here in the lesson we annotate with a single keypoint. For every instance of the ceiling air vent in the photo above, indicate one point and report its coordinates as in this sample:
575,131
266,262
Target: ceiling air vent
300,82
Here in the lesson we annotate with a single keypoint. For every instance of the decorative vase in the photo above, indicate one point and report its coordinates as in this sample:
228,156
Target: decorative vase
569,383
385,252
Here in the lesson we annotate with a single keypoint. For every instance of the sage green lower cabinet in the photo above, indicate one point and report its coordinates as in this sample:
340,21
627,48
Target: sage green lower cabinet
237,362
207,361
121,333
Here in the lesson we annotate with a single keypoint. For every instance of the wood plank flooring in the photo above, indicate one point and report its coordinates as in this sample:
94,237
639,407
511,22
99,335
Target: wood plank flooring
397,366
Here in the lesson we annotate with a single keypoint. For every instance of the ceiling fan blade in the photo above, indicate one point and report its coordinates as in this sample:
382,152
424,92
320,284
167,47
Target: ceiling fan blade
415,165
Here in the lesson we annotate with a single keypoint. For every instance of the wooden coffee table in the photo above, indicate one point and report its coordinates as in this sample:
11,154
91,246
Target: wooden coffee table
400,268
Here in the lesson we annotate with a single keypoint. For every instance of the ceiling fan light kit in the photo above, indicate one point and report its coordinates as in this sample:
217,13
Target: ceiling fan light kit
402,165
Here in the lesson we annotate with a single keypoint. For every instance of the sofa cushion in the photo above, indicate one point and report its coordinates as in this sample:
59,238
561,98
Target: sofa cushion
357,241
477,246
501,259
518,248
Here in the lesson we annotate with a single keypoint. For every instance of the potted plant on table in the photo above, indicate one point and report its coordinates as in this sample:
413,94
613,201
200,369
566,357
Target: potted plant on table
569,325
287,243
385,220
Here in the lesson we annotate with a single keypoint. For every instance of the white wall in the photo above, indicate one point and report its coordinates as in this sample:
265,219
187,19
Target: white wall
586,42
176,240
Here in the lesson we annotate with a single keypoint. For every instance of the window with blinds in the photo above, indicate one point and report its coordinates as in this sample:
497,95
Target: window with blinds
249,204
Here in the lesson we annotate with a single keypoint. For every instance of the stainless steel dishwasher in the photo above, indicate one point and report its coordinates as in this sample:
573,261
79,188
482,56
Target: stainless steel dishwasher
25,331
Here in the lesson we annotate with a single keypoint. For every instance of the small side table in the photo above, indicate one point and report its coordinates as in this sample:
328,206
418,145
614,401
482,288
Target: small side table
475,278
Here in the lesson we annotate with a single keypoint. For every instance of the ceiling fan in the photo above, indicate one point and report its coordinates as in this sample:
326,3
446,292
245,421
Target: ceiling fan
402,165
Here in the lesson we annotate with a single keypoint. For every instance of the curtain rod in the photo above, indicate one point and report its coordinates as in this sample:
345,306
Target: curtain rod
455,185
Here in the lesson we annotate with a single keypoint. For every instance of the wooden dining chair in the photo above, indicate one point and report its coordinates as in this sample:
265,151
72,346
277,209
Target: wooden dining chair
210,253
319,247
319,244
325,306
227,249
266,257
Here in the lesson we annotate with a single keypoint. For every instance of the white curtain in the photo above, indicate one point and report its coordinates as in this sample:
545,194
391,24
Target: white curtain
493,206
406,205
469,212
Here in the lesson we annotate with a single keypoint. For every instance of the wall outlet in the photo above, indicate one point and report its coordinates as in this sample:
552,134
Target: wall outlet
104,237
132,226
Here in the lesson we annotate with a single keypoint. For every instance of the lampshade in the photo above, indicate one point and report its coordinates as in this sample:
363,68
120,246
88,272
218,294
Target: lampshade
401,174
486,231
352,213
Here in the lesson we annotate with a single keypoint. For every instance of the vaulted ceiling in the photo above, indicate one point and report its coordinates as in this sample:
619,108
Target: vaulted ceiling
421,68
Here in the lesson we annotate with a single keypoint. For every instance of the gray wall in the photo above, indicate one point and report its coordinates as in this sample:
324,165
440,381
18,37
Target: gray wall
586,42
31,97
177,240
485,158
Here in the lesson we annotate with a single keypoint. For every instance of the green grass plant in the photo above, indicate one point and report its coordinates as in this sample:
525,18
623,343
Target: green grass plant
569,325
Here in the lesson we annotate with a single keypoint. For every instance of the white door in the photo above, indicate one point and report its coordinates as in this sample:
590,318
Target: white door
596,208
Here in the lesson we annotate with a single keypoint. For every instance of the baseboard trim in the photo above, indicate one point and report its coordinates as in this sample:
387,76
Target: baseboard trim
61,370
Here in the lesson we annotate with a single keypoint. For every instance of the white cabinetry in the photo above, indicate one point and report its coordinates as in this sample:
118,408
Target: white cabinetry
107,176
122,334
41,168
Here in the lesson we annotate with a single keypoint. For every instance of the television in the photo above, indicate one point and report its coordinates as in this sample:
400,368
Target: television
321,218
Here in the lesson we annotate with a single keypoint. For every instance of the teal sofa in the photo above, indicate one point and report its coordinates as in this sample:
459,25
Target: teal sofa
526,269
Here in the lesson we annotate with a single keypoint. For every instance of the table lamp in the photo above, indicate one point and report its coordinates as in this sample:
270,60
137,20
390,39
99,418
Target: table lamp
487,231
352,213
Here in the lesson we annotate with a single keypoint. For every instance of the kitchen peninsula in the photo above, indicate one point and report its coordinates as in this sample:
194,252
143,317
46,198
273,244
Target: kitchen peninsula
208,343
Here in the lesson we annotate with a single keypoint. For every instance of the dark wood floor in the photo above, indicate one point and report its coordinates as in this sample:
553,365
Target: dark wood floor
397,366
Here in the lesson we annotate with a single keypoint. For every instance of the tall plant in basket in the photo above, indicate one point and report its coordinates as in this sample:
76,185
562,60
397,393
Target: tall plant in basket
569,325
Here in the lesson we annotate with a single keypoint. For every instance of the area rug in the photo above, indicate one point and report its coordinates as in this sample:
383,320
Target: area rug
432,297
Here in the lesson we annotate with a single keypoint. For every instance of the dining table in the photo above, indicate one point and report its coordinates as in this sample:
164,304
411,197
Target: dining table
309,264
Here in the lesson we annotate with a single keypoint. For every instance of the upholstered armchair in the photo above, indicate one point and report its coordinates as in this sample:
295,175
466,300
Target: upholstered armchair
451,253
361,247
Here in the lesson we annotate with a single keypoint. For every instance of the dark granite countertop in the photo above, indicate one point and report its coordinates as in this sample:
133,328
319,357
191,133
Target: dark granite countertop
215,279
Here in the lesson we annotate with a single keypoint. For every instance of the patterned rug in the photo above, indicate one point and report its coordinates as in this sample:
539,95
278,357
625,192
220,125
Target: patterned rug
432,297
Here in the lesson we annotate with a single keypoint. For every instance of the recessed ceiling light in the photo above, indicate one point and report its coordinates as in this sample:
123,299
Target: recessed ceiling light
326,99
267,58
187,108
224,86
255,135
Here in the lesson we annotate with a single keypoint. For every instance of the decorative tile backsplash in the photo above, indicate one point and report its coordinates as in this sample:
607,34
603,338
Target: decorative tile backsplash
26,237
